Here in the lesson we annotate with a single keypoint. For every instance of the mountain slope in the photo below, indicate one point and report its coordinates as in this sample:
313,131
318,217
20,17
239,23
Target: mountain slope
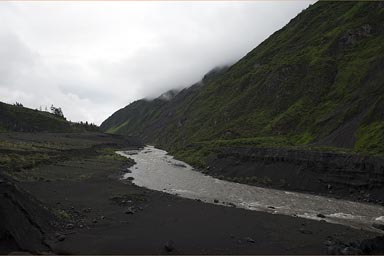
318,81
21,119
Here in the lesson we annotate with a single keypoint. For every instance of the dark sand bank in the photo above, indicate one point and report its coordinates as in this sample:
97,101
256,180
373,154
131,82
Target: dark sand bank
92,212
331,174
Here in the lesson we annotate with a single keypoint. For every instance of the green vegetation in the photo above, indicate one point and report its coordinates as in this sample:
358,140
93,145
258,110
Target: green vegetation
315,84
20,119
56,156
371,138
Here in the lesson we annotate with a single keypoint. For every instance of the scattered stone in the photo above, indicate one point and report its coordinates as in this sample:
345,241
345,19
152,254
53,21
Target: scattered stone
271,207
329,243
306,232
249,239
180,165
169,246
378,225
216,201
232,204
77,213
94,221
320,215
87,210
102,217
329,186
130,210
70,226
130,178
198,200
60,237
81,226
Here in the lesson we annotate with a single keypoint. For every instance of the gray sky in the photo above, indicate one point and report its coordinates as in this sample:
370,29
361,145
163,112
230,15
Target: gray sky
92,58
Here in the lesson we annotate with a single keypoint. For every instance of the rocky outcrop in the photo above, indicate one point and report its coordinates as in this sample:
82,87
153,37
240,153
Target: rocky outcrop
339,174
353,36
24,223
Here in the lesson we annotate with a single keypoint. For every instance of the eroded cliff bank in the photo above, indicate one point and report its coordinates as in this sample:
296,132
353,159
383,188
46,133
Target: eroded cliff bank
25,223
335,174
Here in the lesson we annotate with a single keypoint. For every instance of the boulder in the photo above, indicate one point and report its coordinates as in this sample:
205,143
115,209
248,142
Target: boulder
60,237
69,226
169,246
249,240
130,210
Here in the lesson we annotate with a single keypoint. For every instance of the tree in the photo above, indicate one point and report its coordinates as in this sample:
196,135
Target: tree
57,112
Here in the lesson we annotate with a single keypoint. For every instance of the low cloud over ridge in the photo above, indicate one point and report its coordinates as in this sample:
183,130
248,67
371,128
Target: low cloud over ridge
91,58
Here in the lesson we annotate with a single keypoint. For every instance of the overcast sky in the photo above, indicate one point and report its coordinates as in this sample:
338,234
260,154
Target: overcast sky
92,58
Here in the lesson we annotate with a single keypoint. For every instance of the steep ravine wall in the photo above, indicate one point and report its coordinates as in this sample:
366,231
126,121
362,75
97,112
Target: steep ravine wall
334,174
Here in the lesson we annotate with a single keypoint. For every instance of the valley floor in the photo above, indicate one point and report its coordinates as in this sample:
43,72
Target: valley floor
99,214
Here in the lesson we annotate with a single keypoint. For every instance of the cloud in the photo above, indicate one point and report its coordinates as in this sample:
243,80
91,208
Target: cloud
91,58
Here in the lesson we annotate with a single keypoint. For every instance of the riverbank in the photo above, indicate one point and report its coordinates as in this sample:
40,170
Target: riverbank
27,223
96,213
155,169
328,173
112,217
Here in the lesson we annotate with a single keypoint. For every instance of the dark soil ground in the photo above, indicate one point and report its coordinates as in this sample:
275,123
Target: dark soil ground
89,210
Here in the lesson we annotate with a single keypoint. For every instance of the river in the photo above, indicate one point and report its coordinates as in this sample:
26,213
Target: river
157,170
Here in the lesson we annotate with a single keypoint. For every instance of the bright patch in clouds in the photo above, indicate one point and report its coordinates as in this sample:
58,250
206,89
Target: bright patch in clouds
92,58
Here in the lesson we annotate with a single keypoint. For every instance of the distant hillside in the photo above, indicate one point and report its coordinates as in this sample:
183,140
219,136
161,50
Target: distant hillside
21,119
317,82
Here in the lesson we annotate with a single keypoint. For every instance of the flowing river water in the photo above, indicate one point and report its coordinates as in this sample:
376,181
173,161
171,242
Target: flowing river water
156,170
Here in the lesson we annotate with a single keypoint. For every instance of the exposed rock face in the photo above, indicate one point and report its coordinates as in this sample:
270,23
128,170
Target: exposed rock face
352,36
352,176
24,222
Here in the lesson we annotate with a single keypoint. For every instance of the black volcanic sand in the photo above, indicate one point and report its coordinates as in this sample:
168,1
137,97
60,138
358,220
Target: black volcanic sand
88,210
114,217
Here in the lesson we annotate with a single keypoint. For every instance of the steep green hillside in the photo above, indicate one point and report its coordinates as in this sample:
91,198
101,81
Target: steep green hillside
317,82
21,119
